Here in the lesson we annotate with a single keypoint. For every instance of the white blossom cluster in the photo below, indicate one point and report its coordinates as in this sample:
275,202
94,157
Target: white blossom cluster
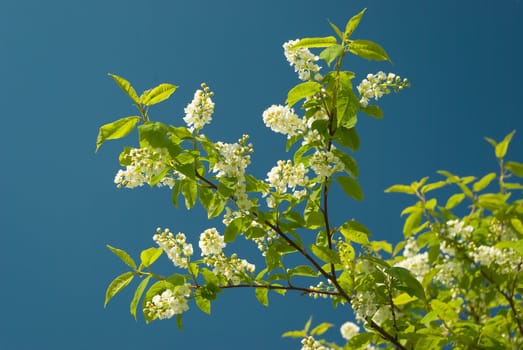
283,120
349,330
286,176
232,268
199,111
309,343
506,260
325,163
145,165
417,264
321,287
176,248
377,85
364,305
169,303
234,159
302,60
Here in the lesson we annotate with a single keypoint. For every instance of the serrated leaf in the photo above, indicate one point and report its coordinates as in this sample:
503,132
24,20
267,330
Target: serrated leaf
157,94
483,182
116,286
126,87
502,147
122,254
350,187
454,200
150,255
325,254
302,90
315,42
352,24
116,130
262,294
321,328
405,276
515,168
137,295
368,50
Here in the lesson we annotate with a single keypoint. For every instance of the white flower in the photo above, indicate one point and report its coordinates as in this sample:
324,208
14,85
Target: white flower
379,84
144,166
310,343
302,60
417,264
284,175
325,163
349,330
169,303
199,111
283,120
211,242
176,248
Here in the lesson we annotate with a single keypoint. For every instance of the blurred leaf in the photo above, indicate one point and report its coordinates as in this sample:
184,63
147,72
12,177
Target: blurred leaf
294,334
403,298
347,138
325,254
203,304
352,235
119,283
400,189
483,182
116,130
433,186
233,229
351,167
330,53
189,191
138,294
336,29
454,200
321,328
126,258
502,147
373,111
412,221
414,286
302,270
515,168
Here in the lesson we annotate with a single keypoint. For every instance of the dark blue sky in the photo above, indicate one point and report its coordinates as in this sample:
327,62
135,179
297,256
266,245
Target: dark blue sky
59,206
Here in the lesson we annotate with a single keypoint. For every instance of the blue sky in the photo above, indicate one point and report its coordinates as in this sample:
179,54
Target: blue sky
59,206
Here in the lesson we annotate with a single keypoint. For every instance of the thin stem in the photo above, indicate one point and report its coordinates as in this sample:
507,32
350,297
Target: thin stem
275,287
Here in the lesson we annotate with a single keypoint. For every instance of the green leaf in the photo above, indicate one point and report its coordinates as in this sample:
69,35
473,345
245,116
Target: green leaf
294,334
157,288
116,130
330,53
179,322
502,147
412,221
350,187
203,304
351,167
315,42
189,191
346,108
347,138
483,182
155,135
119,283
401,189
493,201
138,294
262,294
515,168
373,111
234,228
352,24
368,50
336,29
126,258
325,254
126,87
433,186
301,91
302,270
454,200
403,298
414,286
352,235
321,328
149,256
517,225
157,94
